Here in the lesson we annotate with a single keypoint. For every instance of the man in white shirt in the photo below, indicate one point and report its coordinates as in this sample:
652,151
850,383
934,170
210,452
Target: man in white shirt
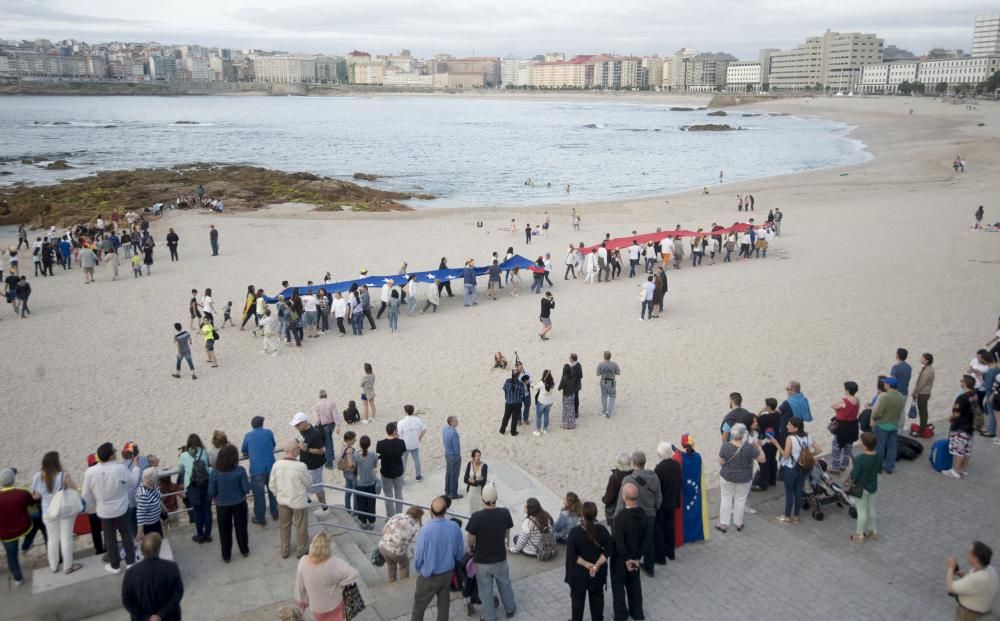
290,482
411,429
603,269
633,257
310,306
648,289
105,490
339,310
976,589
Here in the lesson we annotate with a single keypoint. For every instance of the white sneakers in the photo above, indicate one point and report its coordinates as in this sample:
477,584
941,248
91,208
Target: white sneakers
536,433
111,570
951,473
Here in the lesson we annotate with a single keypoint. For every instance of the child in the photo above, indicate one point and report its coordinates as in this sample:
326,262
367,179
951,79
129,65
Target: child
227,315
136,265
349,469
769,420
351,414
499,362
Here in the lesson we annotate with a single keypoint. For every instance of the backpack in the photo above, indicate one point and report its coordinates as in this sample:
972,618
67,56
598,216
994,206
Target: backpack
939,456
806,460
547,546
215,334
199,471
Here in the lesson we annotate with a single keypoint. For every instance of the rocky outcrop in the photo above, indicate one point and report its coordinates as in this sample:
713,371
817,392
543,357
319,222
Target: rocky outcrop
718,113
681,109
241,188
360,176
711,127
58,165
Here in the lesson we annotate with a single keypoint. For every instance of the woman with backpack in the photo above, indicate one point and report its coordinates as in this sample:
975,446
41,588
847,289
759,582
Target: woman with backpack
193,469
536,527
798,456
228,486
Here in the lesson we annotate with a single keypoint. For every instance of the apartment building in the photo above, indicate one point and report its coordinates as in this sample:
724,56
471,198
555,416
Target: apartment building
986,36
365,73
955,72
29,65
743,76
285,69
832,60
616,72
885,78
708,71
654,72
677,72
562,74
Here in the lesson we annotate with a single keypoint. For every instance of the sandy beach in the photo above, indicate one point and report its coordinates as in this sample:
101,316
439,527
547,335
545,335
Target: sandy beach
872,257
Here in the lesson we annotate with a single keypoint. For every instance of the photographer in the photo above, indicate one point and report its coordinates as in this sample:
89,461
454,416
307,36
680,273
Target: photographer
545,317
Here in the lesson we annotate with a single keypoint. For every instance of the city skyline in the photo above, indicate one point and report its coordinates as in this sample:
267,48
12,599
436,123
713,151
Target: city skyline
518,27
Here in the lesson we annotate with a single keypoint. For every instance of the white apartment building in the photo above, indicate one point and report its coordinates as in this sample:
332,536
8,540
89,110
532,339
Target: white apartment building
986,37
885,78
677,71
197,69
365,74
833,60
508,71
743,75
284,69
525,74
408,80
654,71
561,74
967,71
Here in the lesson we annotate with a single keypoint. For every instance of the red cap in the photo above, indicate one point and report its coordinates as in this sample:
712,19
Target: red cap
130,447
91,460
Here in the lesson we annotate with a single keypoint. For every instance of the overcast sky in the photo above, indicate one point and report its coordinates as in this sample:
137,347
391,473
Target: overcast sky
521,27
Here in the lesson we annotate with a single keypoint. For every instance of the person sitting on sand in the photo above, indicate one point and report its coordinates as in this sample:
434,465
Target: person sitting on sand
499,362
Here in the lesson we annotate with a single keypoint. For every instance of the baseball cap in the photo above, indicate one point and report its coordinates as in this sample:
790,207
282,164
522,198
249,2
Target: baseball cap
300,417
92,459
490,494
891,382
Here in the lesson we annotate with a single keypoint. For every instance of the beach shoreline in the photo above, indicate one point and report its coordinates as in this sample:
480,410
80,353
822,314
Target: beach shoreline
870,261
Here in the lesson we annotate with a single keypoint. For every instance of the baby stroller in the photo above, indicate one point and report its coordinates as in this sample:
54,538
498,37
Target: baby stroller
820,490
463,578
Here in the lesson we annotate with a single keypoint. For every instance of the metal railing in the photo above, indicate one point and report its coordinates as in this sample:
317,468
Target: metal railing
453,514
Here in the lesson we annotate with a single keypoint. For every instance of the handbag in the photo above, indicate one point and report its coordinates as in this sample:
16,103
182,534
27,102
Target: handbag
345,464
853,489
65,504
833,426
376,558
913,411
353,602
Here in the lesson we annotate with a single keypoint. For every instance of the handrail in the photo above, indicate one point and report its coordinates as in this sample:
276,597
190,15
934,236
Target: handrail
377,533
389,499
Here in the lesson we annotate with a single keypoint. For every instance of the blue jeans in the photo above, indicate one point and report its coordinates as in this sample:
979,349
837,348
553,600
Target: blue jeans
416,460
185,356
451,464
357,323
991,421
259,485
393,321
328,447
486,573
526,409
350,482
542,416
646,310
608,392
215,247
201,505
12,563
886,447
470,294
794,479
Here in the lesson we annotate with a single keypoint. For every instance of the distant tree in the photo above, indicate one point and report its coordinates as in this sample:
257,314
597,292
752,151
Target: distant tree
905,88
991,84
919,87
941,88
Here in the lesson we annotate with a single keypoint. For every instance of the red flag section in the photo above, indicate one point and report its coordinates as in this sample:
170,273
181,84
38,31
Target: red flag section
625,242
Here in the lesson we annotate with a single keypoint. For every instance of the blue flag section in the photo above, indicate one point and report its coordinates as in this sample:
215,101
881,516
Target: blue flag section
400,279
693,500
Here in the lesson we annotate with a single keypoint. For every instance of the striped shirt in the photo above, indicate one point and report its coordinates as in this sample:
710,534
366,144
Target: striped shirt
147,505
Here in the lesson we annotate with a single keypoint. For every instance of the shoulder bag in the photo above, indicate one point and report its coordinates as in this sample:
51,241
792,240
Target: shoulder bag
353,602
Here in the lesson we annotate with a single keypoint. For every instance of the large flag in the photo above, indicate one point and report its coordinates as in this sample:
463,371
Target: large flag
693,499
400,279
624,242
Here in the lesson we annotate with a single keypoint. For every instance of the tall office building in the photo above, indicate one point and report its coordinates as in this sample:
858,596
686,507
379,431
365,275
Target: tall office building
832,60
986,38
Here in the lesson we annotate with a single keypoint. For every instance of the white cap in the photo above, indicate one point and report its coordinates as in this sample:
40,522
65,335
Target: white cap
490,494
300,417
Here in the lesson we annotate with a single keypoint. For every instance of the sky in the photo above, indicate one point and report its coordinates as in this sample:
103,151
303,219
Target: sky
520,27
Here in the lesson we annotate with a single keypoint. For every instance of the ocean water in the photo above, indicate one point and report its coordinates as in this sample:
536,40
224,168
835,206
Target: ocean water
467,151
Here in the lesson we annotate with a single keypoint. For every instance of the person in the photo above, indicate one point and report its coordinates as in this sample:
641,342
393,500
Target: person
794,476
545,316
736,414
412,430
589,547
15,520
668,471
629,534
514,393
182,339
736,459
364,469
111,260
494,279
488,534
433,296
320,580
153,589
105,486
864,474
88,261
194,469
569,516
650,500
543,402
902,372
962,423
329,421
795,404
149,502
219,440
922,390
439,547
208,333
976,589
979,218
258,445
368,393
536,521
452,457
571,260
250,308
845,427
213,239
613,489
885,418
390,452
777,221
268,329
312,452
290,482
394,545
228,487
567,384
22,291
608,372
172,240
577,369
476,477
469,280
46,483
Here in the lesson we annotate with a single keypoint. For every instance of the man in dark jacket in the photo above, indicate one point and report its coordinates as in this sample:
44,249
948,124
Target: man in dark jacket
668,471
630,534
577,368
650,499
153,589
736,414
